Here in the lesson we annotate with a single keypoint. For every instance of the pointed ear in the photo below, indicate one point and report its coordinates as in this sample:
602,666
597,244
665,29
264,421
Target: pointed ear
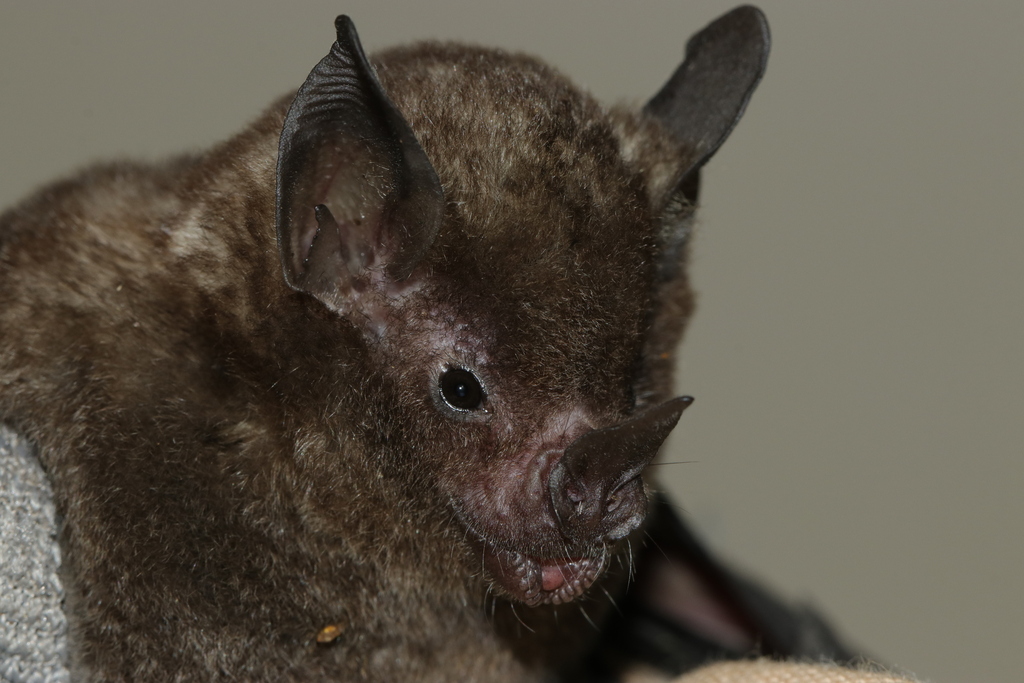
700,105
358,202
706,96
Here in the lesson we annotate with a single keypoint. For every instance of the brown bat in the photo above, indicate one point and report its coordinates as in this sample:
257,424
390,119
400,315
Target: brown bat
367,391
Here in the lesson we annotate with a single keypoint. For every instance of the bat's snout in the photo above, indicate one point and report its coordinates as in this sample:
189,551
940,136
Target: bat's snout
595,487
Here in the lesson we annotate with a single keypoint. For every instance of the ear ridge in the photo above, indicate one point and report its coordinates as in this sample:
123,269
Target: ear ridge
346,147
706,96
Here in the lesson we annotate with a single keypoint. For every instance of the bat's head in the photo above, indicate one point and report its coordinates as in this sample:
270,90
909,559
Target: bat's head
510,254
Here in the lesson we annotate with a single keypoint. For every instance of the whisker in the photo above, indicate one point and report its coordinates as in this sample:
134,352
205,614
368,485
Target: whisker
620,560
629,549
678,508
512,605
587,617
615,606
660,549
483,599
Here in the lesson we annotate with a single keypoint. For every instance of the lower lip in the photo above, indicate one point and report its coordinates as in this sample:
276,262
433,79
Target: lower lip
536,581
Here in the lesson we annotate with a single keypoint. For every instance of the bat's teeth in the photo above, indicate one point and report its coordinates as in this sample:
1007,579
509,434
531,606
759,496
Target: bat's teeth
580,574
524,576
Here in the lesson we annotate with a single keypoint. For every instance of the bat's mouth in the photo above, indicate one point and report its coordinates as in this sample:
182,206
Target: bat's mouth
539,581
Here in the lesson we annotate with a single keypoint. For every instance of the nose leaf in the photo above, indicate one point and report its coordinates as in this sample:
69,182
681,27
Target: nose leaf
589,480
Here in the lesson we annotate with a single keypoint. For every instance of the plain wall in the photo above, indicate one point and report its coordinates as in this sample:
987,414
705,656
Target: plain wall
857,439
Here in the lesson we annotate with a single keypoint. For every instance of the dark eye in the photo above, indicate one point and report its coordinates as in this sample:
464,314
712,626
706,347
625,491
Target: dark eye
461,389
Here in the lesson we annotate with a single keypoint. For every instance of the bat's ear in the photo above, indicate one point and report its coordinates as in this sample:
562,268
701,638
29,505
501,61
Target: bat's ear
358,202
706,96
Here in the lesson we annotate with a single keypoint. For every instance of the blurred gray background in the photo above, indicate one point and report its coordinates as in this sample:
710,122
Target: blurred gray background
857,439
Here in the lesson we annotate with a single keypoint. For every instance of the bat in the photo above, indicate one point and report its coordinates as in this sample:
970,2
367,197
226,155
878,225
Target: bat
367,391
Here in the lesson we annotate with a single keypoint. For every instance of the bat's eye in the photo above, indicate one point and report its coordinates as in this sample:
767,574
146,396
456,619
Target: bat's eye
461,389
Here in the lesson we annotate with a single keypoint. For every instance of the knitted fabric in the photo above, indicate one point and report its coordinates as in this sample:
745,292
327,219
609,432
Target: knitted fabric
768,671
33,628
765,671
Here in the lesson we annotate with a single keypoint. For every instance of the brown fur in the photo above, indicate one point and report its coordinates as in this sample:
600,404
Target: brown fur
238,467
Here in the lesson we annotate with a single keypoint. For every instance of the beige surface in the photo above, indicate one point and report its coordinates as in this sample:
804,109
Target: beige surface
775,672
857,355
765,671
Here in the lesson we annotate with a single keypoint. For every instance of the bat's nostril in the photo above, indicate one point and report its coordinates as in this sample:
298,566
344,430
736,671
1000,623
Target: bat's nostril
575,496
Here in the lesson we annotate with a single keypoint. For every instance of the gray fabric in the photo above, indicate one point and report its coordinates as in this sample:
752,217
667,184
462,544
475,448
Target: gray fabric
33,629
